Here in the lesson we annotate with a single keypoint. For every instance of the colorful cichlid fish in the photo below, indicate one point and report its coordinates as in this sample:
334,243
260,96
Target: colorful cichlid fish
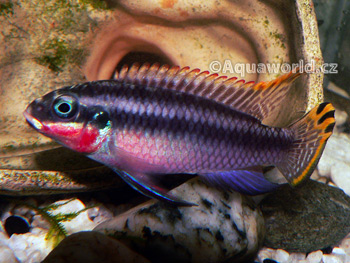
154,120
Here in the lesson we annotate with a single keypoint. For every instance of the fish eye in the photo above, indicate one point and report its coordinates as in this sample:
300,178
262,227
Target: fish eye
65,107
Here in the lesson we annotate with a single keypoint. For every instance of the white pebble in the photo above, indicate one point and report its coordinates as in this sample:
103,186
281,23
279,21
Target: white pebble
340,253
38,231
99,214
296,257
39,221
4,239
23,211
81,222
340,175
281,256
24,245
345,245
18,242
324,166
265,253
322,180
340,117
315,257
7,255
35,257
337,151
331,259
315,176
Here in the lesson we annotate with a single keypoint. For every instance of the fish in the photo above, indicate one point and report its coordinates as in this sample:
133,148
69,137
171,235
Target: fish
152,121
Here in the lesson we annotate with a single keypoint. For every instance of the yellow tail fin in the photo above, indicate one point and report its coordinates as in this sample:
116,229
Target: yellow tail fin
311,134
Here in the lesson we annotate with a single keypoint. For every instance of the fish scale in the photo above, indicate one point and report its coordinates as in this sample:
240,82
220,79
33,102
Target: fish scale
149,109
153,121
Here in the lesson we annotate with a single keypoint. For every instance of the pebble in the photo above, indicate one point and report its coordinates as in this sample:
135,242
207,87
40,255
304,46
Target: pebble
265,253
35,257
40,222
301,219
81,222
281,256
25,244
345,245
323,180
7,255
92,247
99,214
223,227
340,117
296,257
315,176
3,239
335,161
340,253
315,257
340,175
331,259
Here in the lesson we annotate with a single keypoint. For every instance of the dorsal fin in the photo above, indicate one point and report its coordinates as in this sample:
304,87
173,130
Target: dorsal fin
256,99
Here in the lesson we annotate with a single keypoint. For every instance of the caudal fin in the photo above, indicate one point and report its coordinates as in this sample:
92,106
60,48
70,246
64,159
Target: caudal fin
311,133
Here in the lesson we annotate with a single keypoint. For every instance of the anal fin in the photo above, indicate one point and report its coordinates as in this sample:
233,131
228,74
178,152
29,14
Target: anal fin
144,184
249,182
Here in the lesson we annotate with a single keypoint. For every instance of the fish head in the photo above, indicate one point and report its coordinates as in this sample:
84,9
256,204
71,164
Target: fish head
61,116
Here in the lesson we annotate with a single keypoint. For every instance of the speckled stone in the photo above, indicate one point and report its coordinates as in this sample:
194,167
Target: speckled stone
309,217
92,247
223,227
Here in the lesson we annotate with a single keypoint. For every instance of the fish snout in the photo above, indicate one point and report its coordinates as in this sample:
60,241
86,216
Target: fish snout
33,112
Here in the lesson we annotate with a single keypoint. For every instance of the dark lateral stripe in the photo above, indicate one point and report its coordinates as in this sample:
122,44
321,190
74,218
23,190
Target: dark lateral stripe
204,132
329,114
121,98
321,107
174,125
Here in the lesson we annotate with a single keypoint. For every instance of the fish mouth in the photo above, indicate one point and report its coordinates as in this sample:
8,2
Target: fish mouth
32,121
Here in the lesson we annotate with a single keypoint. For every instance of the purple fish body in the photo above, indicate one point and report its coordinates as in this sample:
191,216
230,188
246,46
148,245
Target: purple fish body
159,120
183,133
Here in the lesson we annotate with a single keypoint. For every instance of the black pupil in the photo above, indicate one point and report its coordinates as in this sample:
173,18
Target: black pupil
64,107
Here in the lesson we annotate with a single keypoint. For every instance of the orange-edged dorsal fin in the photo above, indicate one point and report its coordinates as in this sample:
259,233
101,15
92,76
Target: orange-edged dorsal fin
256,99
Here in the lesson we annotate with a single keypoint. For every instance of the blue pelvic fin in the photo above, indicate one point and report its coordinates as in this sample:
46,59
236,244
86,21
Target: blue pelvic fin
249,182
144,184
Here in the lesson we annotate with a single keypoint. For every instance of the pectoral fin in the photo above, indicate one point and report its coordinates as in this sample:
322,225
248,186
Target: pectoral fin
250,182
144,184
